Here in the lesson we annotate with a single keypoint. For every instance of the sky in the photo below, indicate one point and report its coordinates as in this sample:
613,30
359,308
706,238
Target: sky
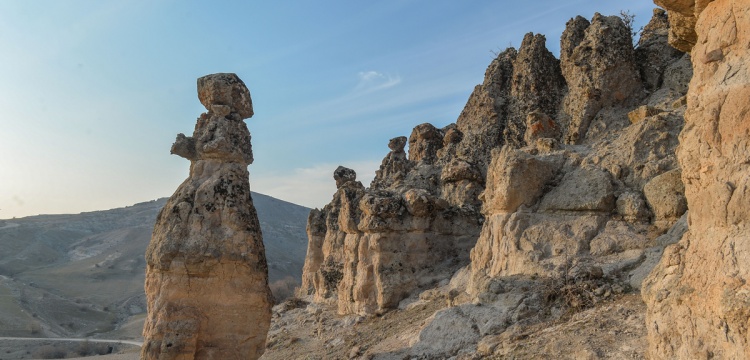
93,92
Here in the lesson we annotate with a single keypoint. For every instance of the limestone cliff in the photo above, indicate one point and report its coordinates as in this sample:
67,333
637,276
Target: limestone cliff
206,276
697,297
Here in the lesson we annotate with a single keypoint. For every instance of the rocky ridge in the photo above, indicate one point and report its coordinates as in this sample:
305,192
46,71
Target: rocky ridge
556,172
206,274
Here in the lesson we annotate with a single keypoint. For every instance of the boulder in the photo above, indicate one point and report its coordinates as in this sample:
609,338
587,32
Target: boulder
666,195
581,190
225,89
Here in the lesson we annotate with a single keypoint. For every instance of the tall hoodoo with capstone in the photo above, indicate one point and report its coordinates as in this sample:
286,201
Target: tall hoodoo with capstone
206,276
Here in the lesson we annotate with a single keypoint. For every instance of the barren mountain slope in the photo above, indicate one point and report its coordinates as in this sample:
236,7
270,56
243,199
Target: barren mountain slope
66,275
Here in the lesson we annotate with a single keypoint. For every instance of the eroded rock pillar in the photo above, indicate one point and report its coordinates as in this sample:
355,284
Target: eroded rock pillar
206,275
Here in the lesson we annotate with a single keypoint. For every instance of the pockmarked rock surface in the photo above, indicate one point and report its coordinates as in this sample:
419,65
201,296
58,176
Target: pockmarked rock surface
542,175
698,296
207,276
579,205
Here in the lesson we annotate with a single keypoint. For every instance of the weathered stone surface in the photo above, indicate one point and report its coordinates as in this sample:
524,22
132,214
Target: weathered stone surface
481,120
343,175
529,244
225,89
516,178
641,113
424,142
632,207
378,245
697,296
682,18
538,126
556,209
654,53
581,190
598,63
397,144
394,167
653,254
666,195
536,87
206,275
549,207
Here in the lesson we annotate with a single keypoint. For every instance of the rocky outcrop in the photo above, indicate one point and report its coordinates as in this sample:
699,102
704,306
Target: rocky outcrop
598,63
415,224
593,204
543,174
370,248
206,276
653,56
697,297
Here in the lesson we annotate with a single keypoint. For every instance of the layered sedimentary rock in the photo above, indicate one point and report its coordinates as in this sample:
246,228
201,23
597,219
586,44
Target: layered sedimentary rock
698,297
206,276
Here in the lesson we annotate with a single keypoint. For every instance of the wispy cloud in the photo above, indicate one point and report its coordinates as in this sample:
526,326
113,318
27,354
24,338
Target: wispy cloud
370,81
310,186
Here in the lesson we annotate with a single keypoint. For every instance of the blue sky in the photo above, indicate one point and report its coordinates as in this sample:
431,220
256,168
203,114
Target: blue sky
93,92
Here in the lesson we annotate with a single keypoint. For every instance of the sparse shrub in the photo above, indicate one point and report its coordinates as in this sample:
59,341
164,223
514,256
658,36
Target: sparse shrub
88,348
629,19
283,289
293,303
35,327
50,352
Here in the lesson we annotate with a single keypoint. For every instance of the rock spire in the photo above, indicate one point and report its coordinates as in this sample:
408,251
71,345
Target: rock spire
206,275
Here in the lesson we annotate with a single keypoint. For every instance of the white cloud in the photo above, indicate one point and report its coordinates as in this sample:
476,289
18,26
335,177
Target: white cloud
370,81
369,75
309,186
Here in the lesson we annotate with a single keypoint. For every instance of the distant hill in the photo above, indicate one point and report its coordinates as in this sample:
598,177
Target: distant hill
83,274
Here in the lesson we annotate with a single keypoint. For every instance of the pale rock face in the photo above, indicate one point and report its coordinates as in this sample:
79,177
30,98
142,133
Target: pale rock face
502,181
424,142
371,248
682,17
697,297
540,126
578,209
666,195
632,207
206,276
517,178
581,190
598,63
421,215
